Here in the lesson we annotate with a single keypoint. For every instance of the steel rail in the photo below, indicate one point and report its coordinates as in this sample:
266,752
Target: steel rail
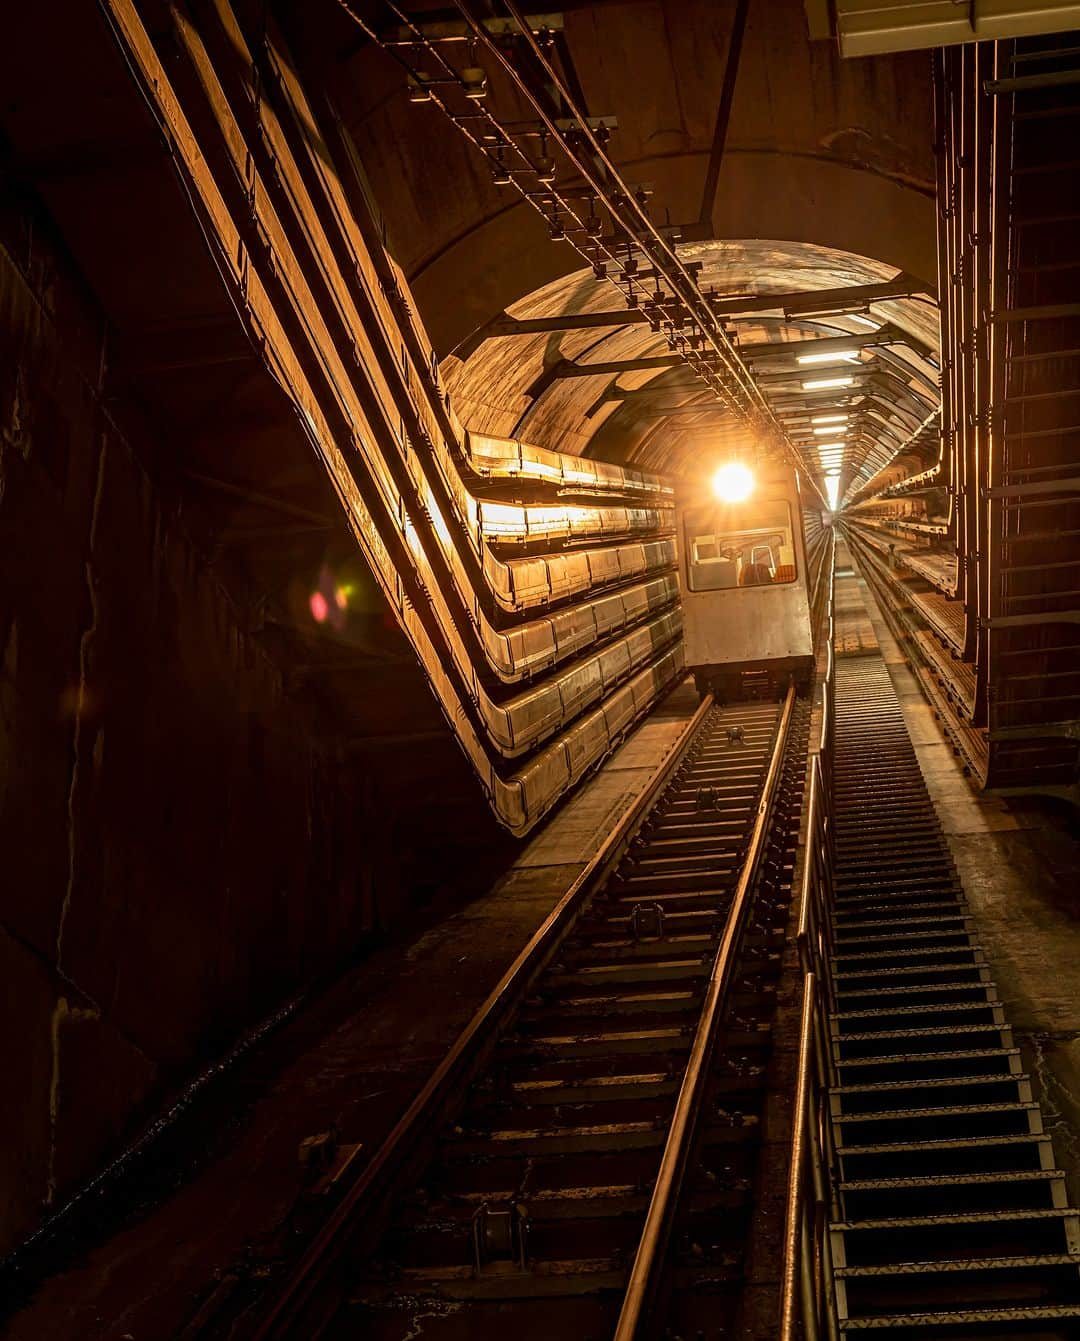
649,1258
403,1144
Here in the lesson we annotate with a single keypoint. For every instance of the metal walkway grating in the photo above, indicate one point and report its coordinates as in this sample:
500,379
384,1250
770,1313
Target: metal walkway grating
950,1215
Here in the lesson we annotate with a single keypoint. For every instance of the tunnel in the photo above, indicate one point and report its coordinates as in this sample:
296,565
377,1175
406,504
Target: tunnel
539,673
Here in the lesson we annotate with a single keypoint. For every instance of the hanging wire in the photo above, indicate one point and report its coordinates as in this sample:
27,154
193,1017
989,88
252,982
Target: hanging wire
723,370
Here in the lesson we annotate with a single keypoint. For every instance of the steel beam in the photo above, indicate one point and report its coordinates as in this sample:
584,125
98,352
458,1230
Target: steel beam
569,369
832,302
779,349
723,114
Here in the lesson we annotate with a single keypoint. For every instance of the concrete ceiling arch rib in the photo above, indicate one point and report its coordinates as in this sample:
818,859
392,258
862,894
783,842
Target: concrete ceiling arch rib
643,407
808,133
800,200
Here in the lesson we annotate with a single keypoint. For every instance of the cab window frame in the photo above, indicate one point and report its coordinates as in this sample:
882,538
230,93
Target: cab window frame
695,536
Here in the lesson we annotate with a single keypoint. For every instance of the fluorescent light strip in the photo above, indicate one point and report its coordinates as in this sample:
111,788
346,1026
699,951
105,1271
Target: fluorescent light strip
829,430
828,419
840,356
826,383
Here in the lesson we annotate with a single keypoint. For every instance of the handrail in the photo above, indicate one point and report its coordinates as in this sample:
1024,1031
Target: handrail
400,1145
648,1259
807,1310
807,1306
794,1230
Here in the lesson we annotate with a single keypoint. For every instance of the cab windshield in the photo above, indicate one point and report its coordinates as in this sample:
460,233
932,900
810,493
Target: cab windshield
740,545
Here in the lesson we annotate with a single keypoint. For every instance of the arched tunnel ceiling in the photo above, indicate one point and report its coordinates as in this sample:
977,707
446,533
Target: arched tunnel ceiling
830,159
664,418
809,135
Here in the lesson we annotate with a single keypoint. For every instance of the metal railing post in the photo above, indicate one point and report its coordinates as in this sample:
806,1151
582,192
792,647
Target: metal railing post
807,1307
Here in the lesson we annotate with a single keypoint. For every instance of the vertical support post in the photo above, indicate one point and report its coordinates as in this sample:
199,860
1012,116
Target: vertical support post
941,153
982,375
965,291
1000,341
723,113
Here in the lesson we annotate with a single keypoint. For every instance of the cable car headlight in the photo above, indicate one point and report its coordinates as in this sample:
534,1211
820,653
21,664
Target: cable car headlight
733,483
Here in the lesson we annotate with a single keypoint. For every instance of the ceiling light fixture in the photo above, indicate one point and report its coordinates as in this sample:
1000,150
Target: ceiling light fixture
838,356
829,419
827,383
829,430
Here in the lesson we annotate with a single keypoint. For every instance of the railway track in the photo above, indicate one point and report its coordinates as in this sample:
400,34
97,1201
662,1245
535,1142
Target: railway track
598,1169
940,1203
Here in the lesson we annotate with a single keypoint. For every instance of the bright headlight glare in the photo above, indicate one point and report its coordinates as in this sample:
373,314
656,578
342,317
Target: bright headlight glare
733,483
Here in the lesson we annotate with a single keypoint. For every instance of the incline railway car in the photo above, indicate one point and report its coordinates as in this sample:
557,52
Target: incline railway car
743,574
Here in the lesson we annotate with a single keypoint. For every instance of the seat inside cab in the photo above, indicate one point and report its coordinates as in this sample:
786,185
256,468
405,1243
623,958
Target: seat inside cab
740,545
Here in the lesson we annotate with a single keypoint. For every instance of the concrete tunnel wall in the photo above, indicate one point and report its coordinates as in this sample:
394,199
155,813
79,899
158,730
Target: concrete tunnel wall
180,853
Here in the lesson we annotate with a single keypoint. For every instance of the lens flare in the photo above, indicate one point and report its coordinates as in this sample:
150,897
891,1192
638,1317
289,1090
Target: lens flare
733,483
320,607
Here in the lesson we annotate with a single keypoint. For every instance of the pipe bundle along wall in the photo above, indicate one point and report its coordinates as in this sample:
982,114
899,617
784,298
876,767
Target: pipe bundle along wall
303,259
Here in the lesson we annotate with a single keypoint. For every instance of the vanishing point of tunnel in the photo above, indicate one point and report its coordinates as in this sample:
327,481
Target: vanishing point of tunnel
540,670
